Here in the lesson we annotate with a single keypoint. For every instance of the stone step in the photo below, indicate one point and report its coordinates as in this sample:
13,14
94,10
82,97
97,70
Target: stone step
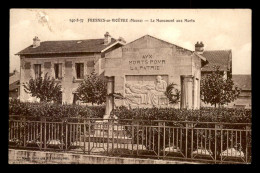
120,133
103,128
110,126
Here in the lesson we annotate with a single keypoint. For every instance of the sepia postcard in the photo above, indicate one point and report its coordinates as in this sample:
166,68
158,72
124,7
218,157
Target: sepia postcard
130,86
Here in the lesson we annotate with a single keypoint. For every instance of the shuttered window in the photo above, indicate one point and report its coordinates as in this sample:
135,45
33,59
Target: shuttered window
80,70
58,70
37,70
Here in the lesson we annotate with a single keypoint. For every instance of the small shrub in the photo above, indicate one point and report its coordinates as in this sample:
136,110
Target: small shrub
55,111
228,115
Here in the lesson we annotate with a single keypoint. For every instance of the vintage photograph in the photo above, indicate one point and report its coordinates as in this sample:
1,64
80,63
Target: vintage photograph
130,86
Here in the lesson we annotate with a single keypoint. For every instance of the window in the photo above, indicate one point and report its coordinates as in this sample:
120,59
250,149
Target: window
58,71
80,70
37,70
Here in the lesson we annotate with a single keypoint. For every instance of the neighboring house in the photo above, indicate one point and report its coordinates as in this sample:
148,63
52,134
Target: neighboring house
223,59
14,85
244,99
220,58
69,62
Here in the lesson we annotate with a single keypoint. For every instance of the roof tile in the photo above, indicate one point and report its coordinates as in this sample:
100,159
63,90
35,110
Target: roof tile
219,58
242,81
67,46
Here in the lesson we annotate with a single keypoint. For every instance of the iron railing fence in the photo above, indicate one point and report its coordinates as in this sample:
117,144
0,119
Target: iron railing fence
210,142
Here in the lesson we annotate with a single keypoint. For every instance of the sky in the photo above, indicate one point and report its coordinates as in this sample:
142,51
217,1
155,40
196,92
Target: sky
218,29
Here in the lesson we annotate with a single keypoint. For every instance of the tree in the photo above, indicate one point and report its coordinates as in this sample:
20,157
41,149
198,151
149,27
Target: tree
92,89
46,89
216,90
172,93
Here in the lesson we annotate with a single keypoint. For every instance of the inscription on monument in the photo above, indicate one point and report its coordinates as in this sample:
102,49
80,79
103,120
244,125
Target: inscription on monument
147,62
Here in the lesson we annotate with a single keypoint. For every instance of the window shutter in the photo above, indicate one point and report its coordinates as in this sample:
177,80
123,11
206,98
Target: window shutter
77,70
81,71
60,70
37,70
55,71
40,70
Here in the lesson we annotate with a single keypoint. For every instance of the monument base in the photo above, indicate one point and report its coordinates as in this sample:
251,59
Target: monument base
106,116
106,132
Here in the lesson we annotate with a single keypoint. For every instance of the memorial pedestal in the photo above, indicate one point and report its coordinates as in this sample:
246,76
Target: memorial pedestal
106,132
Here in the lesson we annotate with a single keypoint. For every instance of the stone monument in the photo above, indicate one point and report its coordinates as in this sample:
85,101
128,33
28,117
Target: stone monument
141,71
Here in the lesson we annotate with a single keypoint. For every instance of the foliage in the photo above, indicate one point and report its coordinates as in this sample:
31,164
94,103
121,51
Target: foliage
216,90
92,90
46,89
230,115
172,94
53,110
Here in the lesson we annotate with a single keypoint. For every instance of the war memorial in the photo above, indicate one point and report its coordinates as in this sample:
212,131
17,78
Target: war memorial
149,93
142,69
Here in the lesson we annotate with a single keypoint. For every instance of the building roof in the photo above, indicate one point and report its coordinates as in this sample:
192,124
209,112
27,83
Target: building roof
171,44
15,77
14,81
14,85
68,46
242,81
221,58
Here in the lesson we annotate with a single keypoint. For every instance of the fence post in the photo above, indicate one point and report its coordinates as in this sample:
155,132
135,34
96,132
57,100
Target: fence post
84,135
41,133
247,129
133,126
112,136
189,126
63,142
108,133
89,133
23,121
160,124
137,133
66,135
218,127
43,120
45,134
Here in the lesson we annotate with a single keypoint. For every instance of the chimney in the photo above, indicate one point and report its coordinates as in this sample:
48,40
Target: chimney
36,42
199,47
107,38
121,39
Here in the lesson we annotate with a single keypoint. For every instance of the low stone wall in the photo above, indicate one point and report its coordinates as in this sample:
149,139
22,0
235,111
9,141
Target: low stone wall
41,157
